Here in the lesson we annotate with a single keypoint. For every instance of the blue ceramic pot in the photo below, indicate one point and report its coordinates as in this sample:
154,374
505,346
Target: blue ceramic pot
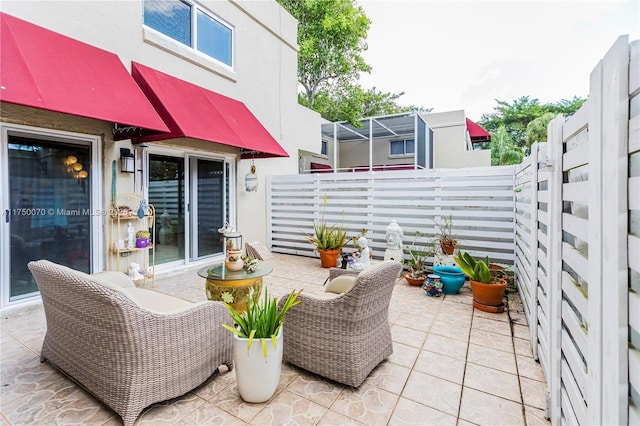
452,278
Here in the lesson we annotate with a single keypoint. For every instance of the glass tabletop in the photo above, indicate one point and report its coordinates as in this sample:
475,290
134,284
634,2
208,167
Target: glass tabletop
219,272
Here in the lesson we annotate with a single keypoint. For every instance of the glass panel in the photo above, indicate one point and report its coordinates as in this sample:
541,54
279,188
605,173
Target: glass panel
210,211
214,38
50,206
171,17
409,146
396,147
166,193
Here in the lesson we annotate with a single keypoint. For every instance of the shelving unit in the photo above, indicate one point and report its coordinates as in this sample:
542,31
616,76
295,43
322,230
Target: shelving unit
120,254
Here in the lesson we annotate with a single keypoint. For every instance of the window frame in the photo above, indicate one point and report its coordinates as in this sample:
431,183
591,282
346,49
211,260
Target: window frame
404,148
193,29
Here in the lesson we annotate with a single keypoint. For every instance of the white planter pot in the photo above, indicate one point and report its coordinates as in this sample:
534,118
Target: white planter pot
257,376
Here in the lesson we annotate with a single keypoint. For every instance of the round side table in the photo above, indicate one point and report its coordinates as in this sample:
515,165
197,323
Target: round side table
233,287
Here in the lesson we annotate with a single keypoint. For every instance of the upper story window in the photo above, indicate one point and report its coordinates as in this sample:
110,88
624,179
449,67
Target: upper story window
402,147
192,26
323,148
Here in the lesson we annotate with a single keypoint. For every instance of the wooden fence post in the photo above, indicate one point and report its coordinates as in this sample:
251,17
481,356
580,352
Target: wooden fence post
533,324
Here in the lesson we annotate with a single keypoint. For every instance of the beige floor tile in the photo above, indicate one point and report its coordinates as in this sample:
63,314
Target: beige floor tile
528,367
492,381
366,404
534,393
333,418
491,325
433,392
522,347
409,412
446,346
231,402
404,355
535,417
521,332
450,330
407,336
315,388
491,340
493,358
485,409
441,366
209,414
289,408
389,376
420,322
170,412
504,316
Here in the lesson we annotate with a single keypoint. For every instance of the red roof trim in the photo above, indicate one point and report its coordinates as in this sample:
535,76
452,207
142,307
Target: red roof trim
477,133
195,112
43,69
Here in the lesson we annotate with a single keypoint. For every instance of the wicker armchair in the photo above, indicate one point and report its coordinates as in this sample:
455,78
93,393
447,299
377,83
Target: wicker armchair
343,337
129,347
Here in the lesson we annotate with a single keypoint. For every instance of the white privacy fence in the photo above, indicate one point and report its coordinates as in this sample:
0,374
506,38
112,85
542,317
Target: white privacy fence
480,201
578,249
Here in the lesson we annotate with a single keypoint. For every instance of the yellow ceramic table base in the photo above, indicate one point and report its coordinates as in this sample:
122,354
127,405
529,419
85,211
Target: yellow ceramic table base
235,292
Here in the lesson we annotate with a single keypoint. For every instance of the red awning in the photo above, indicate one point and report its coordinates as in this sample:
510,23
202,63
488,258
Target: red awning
195,112
43,69
477,133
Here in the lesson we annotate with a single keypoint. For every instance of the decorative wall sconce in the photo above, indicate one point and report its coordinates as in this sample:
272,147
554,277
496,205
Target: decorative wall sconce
251,180
127,161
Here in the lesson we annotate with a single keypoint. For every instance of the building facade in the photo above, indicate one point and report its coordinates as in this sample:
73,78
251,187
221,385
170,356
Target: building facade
195,93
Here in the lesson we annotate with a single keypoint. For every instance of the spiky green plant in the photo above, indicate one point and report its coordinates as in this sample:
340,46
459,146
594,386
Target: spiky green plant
477,270
261,320
327,237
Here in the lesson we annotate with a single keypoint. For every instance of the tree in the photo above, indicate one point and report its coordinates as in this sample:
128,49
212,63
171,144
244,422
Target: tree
504,149
331,40
516,116
536,130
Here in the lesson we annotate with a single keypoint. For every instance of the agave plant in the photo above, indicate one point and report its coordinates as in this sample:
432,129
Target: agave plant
476,270
261,320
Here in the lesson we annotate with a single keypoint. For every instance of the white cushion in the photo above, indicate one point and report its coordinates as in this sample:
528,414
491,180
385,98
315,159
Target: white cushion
157,302
113,280
340,284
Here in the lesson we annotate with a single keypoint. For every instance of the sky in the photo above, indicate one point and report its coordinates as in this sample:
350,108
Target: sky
451,55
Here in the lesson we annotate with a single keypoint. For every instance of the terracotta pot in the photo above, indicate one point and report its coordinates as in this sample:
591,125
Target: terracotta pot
329,258
488,297
414,281
448,247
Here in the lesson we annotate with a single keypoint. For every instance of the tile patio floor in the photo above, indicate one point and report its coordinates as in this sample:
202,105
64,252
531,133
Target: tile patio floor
451,365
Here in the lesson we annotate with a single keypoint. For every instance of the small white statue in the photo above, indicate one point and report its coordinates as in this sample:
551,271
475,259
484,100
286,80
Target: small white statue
364,251
394,236
134,272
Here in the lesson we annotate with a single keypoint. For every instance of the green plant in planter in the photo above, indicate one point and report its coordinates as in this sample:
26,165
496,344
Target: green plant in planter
143,234
444,234
327,237
418,255
476,270
261,320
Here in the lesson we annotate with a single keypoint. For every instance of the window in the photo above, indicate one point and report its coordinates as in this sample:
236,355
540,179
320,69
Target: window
323,149
186,23
402,147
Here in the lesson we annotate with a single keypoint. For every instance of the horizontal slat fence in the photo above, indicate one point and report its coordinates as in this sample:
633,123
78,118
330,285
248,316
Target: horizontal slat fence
480,200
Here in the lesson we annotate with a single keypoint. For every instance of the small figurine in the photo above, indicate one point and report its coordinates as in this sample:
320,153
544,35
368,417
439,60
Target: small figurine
364,252
134,272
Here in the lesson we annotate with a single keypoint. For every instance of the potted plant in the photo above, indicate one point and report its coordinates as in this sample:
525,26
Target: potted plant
417,262
328,240
487,287
142,239
444,236
257,344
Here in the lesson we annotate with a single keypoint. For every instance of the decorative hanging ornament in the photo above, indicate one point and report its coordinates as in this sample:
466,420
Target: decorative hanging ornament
251,180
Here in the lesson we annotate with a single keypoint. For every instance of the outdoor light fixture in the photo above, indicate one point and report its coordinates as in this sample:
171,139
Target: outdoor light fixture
251,180
127,161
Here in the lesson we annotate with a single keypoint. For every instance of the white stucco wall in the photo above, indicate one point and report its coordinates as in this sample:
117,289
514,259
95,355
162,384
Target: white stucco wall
450,144
264,76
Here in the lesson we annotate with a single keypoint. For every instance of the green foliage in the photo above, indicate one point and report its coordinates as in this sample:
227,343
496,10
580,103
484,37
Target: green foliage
327,237
418,254
443,229
536,130
331,38
476,270
516,116
504,149
261,320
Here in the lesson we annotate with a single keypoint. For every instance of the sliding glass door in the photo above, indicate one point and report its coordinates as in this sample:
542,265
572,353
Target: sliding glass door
207,207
